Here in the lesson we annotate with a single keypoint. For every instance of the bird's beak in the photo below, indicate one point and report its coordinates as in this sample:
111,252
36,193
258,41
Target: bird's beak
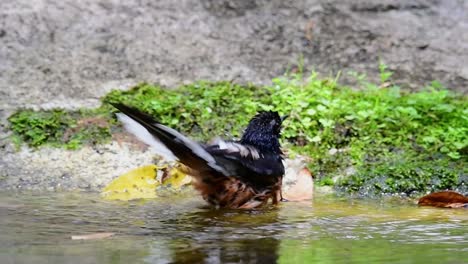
284,117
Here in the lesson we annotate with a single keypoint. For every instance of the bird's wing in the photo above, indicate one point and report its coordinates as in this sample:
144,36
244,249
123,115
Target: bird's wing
167,141
247,163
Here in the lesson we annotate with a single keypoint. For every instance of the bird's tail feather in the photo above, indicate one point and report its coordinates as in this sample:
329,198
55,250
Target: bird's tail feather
168,142
144,136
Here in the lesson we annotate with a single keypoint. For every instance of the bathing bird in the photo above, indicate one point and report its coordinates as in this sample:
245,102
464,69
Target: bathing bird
240,174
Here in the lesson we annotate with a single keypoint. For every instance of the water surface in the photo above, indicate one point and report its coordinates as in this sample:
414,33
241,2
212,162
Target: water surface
36,228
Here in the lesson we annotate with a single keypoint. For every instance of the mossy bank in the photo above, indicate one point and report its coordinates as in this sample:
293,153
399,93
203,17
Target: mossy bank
377,139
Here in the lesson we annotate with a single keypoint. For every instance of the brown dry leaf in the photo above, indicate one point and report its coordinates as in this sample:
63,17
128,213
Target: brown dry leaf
302,188
446,199
92,236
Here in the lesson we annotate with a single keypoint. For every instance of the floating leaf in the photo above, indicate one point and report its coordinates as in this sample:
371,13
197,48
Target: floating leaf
176,178
139,183
446,199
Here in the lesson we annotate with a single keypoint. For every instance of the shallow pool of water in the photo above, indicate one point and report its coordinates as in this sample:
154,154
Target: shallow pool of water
37,228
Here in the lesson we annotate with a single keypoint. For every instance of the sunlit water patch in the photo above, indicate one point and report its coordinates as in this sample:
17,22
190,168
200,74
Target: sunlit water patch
37,228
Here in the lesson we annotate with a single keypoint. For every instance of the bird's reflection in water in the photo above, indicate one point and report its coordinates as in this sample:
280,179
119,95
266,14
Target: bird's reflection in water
262,250
227,236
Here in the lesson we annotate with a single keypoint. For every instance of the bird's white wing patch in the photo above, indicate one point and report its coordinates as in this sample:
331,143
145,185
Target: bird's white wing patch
195,147
143,135
243,150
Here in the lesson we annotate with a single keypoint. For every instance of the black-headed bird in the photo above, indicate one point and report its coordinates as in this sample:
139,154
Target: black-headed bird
229,174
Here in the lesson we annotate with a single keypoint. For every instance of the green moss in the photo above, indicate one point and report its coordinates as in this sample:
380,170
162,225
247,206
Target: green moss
60,128
202,109
396,141
376,130
37,128
407,174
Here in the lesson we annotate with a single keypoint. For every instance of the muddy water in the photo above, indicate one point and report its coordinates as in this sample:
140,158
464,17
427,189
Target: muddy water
36,228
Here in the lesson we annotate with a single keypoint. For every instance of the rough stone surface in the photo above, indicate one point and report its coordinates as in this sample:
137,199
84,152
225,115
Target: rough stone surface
90,168
69,53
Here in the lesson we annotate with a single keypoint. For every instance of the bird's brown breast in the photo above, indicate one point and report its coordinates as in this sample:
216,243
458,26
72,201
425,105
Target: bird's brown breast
230,192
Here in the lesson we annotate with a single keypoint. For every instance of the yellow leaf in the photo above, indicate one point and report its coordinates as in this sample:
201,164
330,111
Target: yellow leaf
176,179
139,183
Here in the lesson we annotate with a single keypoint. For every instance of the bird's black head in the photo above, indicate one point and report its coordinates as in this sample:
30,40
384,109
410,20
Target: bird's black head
264,131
